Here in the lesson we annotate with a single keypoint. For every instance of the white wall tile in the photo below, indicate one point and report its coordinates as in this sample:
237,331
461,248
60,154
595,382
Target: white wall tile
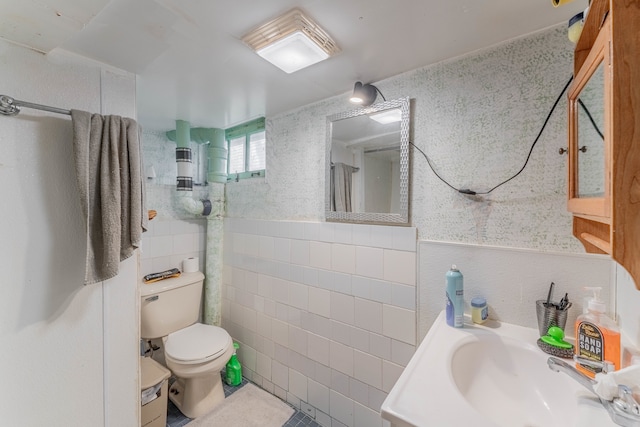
319,301
376,397
263,365
339,382
341,282
280,332
320,255
343,258
323,419
405,239
183,243
299,295
342,233
298,340
341,333
368,315
267,247
390,374
279,375
369,262
300,252
358,391
400,266
318,395
403,296
382,236
282,249
367,368
341,358
380,346
399,323
298,384
310,276
361,234
401,352
311,231
342,307
158,246
360,339
264,325
318,348
341,408
380,291
366,417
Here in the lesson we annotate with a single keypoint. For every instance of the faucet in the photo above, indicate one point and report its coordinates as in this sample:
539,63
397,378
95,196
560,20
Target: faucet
624,410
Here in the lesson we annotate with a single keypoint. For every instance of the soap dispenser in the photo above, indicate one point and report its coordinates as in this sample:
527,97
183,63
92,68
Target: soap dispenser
597,336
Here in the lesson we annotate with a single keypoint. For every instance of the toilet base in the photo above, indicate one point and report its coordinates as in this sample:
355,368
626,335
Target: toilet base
195,397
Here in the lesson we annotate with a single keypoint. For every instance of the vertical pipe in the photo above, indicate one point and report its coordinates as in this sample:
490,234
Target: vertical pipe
217,157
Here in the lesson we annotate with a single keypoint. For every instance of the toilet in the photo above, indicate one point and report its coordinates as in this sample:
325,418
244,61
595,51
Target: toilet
194,352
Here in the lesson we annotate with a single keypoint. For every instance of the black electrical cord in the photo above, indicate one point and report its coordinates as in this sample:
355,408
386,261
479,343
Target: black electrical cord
473,193
593,122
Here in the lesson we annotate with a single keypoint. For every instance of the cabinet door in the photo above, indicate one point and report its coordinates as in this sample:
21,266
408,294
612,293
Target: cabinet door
589,138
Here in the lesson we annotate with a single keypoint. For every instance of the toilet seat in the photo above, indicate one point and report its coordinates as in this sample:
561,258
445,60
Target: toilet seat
197,343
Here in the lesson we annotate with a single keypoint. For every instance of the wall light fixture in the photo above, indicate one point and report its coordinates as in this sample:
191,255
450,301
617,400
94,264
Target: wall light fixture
364,94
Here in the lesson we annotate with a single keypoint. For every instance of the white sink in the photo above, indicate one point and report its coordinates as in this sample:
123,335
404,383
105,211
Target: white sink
487,376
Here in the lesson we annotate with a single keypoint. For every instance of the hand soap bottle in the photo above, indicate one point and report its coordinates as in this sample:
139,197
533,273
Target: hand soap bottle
455,298
597,336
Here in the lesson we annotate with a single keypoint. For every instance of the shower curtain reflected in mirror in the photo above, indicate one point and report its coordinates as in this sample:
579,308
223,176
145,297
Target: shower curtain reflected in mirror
341,179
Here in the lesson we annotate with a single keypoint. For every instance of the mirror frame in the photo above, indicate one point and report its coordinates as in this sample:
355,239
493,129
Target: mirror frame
373,217
599,206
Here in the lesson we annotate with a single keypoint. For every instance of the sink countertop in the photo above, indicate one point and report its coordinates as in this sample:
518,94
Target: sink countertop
426,393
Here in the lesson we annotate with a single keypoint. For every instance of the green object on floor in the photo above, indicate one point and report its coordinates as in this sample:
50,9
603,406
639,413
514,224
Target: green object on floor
233,374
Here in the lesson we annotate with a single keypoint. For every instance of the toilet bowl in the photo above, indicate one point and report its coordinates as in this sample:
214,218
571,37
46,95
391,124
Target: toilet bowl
194,352
196,355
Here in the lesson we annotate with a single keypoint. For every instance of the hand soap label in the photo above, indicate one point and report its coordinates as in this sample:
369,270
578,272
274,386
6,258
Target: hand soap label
590,345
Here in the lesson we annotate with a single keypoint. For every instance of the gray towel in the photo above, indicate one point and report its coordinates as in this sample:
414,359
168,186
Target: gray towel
109,169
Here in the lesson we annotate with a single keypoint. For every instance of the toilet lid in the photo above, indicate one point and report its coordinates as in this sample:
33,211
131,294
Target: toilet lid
196,343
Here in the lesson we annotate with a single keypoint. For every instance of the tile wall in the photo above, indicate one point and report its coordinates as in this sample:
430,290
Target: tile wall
324,313
168,241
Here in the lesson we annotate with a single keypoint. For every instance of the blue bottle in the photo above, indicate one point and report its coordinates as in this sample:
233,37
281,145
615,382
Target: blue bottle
455,298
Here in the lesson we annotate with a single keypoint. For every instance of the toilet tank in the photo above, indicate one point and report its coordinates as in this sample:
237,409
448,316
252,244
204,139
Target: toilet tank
170,305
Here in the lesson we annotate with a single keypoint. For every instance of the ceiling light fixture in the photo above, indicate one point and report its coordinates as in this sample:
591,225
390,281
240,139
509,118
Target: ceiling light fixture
387,116
291,42
364,94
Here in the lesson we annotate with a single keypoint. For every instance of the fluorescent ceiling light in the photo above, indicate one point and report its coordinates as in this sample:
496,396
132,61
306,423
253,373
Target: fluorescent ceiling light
293,52
291,42
388,116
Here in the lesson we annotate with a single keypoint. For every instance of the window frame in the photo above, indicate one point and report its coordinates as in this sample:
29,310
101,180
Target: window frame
245,130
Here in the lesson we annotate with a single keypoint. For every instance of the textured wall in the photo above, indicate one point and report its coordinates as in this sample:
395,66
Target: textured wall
476,117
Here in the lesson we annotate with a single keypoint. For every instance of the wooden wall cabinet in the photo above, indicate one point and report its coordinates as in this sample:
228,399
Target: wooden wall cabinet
604,181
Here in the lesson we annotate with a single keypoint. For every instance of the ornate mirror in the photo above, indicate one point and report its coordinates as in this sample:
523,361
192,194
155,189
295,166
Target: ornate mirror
367,164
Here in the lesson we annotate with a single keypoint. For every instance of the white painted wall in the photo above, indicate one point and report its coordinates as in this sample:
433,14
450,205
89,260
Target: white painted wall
69,352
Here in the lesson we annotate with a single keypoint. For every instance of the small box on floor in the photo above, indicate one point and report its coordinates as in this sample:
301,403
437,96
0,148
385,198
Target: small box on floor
154,393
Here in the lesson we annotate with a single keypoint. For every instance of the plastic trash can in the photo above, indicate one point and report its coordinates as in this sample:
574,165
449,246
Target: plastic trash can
154,393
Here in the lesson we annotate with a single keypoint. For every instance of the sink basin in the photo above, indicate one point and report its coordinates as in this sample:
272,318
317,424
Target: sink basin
492,375
509,382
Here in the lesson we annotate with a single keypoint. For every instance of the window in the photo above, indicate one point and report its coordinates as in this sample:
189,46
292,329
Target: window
246,144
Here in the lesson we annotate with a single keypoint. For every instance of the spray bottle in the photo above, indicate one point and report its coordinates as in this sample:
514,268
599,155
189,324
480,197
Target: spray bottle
455,298
233,372
597,336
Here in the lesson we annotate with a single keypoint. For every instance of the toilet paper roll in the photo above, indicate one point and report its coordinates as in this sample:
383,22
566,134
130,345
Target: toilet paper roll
190,265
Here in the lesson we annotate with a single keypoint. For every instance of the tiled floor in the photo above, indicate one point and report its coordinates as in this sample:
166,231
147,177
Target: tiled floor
175,418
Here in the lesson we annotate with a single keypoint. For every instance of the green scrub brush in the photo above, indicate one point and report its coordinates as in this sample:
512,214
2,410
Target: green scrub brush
554,344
